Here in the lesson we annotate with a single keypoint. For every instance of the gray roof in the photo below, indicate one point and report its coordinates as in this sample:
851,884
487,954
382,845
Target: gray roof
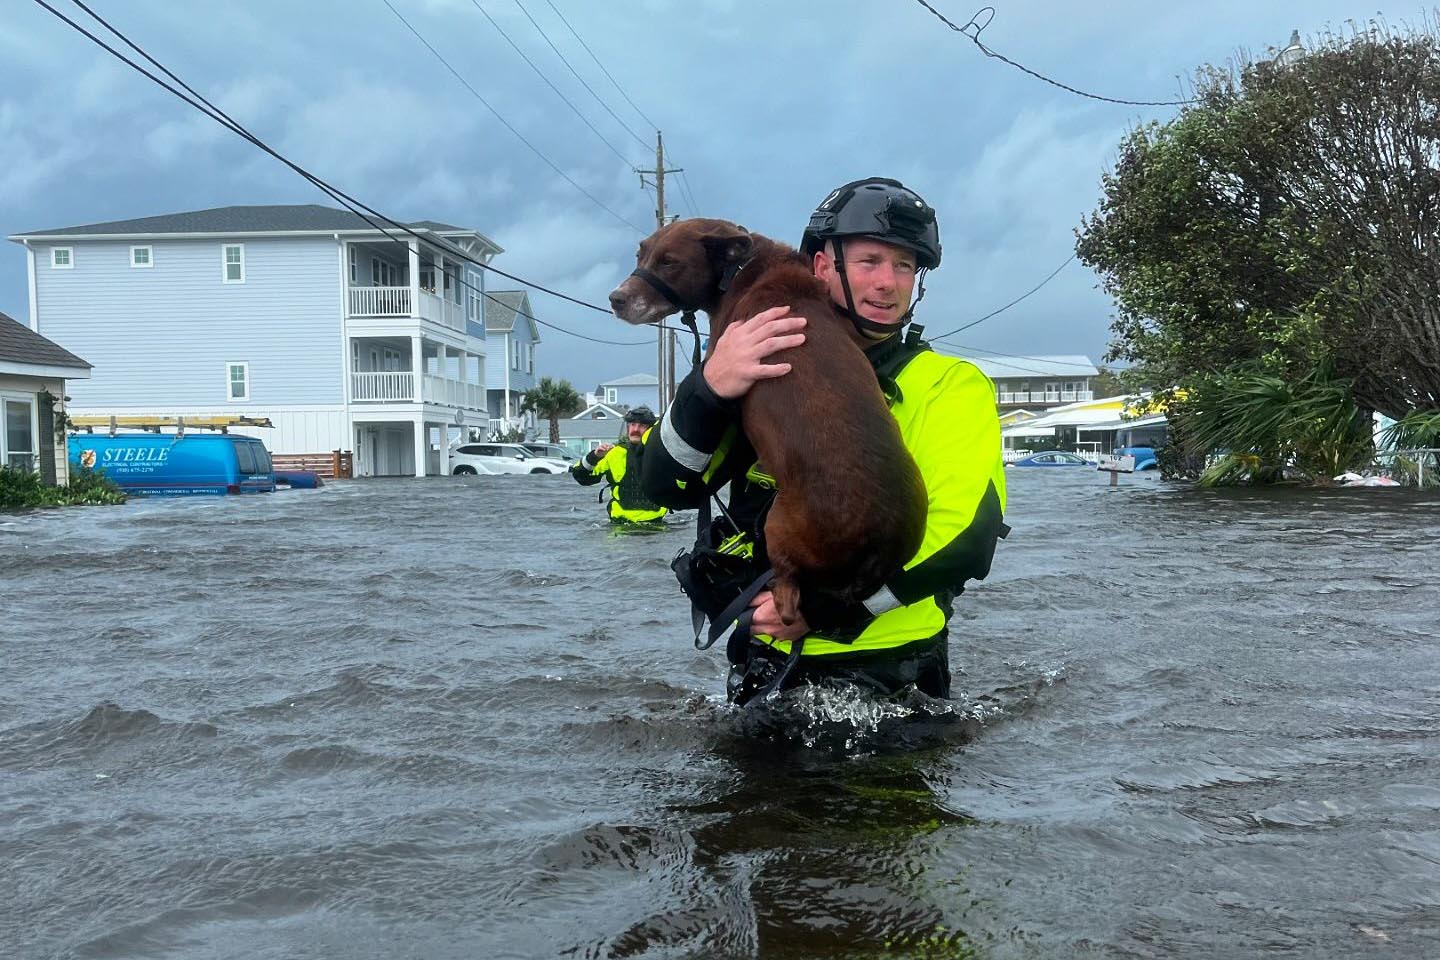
633,380
504,309
270,218
439,227
20,344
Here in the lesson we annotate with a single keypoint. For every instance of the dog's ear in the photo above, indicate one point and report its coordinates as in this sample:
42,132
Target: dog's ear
728,246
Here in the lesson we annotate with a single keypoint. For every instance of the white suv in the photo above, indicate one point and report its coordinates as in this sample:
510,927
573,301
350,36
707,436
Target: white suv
491,458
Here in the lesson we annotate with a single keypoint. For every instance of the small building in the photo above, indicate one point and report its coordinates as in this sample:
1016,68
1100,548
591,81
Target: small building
345,336
1096,427
596,424
1039,382
33,373
510,362
635,390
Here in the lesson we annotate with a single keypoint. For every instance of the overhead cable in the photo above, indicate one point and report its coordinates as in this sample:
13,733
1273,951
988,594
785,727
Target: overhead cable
975,38
534,149
539,73
605,106
1000,310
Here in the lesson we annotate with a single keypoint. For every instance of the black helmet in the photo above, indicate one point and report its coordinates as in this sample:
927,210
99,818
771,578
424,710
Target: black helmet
640,415
879,209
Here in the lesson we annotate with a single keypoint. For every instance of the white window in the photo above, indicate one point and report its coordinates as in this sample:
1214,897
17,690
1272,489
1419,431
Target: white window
354,357
612,395
141,257
17,435
238,382
232,261
62,258
354,265
530,358
514,354
375,271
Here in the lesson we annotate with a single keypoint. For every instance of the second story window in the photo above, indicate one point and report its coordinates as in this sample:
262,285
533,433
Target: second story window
233,263
612,395
141,257
530,358
354,266
514,354
62,258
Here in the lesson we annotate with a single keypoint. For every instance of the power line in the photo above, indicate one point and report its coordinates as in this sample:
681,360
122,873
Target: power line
219,116
638,139
576,110
685,192
534,149
975,39
992,313
651,123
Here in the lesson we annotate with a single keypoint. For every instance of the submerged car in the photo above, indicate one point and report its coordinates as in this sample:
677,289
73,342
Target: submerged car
1144,457
550,451
495,458
1053,458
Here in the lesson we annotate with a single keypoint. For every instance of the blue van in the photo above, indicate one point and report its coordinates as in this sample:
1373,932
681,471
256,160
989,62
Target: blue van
167,465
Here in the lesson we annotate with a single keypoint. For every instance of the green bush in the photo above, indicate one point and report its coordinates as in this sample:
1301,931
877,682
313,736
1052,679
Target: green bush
22,489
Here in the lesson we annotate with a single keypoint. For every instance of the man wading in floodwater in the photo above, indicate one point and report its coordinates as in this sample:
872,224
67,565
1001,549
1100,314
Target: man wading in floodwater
620,465
869,242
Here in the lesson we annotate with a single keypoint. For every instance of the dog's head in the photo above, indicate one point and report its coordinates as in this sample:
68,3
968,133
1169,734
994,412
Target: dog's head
689,258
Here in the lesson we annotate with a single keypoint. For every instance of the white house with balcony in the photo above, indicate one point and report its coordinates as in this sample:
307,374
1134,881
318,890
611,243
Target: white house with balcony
510,364
1039,382
347,337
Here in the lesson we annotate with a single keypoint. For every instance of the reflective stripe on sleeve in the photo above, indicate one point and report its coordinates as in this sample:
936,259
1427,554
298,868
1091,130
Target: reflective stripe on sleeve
684,454
881,601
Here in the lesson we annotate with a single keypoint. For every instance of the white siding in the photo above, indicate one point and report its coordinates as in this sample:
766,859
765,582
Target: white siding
317,429
161,337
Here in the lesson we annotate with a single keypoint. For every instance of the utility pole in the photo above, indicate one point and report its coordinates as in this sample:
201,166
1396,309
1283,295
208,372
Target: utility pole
664,370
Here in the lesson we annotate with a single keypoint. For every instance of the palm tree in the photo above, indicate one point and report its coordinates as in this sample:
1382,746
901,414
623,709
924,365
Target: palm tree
551,399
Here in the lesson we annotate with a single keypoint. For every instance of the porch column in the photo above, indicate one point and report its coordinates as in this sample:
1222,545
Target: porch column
422,444
417,366
414,278
507,381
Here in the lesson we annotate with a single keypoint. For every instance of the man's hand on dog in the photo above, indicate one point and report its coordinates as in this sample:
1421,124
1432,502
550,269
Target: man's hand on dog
767,618
738,361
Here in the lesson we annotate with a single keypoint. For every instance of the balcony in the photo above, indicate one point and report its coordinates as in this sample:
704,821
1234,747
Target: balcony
399,387
386,387
397,302
1045,396
453,393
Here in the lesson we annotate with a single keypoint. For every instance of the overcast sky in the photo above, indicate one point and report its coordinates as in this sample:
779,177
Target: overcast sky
765,105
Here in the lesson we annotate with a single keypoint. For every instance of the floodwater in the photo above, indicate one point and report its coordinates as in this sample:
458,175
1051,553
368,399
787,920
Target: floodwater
443,719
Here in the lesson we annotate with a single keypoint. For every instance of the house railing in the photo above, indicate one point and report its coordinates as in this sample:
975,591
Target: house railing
1045,396
396,302
380,302
455,393
444,312
381,387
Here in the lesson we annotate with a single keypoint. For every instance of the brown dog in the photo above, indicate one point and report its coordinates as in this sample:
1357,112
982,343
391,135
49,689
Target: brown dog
850,508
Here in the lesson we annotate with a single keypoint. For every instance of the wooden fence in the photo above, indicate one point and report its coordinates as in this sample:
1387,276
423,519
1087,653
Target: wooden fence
335,465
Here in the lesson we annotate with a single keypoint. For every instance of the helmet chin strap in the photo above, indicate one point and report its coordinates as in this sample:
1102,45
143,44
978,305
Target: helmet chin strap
871,329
